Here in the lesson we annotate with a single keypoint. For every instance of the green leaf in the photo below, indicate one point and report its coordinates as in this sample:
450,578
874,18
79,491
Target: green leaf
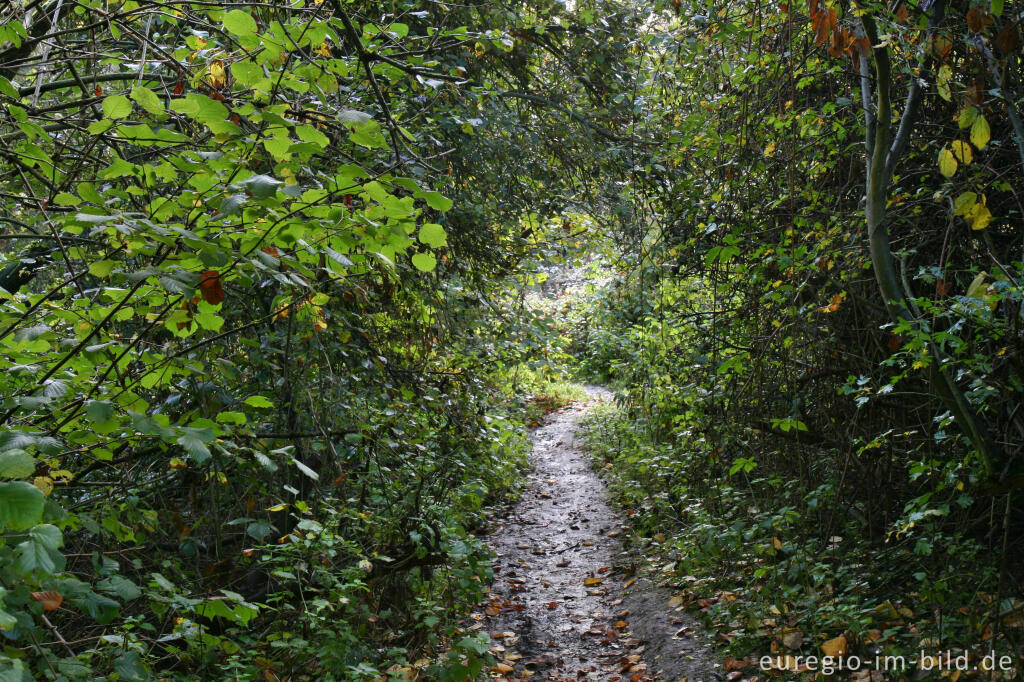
965,203
947,162
262,186
433,235
120,586
47,535
240,23
100,126
997,8
424,261
980,132
65,199
258,401
437,202
976,284
16,464
308,133
21,505
130,666
148,100
306,470
117,107
194,446
33,557
99,411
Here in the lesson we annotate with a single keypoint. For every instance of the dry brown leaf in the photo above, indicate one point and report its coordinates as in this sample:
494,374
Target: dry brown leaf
835,647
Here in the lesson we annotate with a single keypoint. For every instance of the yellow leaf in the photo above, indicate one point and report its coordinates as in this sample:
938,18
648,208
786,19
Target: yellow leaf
979,217
278,507
590,582
947,162
675,601
218,77
835,647
776,543
963,153
980,132
44,483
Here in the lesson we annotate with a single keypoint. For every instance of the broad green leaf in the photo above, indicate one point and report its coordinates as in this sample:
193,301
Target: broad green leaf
130,666
262,186
121,587
21,505
117,107
437,202
424,261
997,8
964,203
433,235
99,411
47,535
16,464
240,23
258,401
148,100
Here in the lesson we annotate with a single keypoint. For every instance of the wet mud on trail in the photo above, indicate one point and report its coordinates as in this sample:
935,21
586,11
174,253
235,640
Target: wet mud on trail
567,602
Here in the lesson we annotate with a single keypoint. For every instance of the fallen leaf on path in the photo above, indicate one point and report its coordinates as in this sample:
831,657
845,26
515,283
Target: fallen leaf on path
793,639
835,647
590,582
675,602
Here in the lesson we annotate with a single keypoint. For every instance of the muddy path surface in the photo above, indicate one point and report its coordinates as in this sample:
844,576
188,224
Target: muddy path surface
568,602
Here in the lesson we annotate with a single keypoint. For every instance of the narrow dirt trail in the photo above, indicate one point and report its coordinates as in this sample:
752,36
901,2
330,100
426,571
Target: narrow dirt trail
565,603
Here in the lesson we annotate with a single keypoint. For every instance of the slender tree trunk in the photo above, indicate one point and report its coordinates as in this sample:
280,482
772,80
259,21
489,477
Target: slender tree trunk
883,152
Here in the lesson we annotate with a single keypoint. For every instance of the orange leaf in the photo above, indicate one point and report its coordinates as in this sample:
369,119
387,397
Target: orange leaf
210,287
976,19
98,91
51,599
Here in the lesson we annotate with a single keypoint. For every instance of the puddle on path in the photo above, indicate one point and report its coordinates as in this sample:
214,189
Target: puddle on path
560,606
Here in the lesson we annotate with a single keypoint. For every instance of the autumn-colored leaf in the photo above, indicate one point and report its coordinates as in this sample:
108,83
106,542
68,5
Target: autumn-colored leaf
210,287
976,19
50,599
590,582
1008,39
835,647
218,75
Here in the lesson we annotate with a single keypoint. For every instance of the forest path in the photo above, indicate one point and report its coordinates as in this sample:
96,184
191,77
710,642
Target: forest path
567,602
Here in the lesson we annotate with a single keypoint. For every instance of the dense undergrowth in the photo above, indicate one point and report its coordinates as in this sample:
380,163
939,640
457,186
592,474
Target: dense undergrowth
764,529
